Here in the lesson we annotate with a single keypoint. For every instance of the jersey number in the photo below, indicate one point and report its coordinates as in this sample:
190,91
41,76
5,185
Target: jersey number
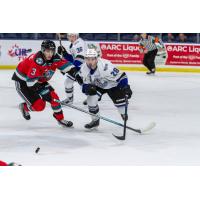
33,71
80,49
115,72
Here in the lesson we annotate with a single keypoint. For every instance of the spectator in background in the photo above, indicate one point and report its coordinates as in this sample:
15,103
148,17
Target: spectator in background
182,37
136,38
170,37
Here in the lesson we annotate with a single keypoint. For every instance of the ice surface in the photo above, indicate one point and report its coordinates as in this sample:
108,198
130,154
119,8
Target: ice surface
171,100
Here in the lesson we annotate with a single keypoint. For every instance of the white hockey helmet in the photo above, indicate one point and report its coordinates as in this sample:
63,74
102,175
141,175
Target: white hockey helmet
76,34
91,53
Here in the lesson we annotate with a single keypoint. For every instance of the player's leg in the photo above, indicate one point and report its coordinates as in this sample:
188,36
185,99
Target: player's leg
69,89
93,108
32,101
48,94
118,97
85,101
58,112
94,94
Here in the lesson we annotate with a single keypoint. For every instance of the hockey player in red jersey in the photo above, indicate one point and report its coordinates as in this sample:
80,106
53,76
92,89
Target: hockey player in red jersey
31,80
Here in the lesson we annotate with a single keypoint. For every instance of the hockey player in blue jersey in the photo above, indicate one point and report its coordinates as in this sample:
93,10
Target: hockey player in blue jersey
99,76
75,55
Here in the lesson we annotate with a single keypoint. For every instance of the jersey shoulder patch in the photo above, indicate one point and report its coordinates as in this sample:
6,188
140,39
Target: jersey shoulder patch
39,61
39,58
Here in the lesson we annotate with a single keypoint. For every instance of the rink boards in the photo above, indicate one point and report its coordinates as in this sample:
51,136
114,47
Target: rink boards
136,68
125,55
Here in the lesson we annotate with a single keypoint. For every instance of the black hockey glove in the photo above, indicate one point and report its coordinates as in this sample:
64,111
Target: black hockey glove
89,89
62,51
45,92
73,72
127,91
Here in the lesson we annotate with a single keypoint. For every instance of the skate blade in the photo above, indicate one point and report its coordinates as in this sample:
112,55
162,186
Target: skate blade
91,129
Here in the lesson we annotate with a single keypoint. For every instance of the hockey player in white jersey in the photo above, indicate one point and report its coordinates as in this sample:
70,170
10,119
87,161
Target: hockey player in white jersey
100,76
76,54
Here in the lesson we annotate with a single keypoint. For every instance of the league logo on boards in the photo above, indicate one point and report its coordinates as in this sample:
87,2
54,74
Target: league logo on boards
19,52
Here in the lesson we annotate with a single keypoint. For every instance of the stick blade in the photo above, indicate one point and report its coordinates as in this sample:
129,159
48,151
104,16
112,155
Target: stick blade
148,128
119,137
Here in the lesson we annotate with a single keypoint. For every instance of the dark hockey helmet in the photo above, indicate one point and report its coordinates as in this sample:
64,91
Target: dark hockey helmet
48,44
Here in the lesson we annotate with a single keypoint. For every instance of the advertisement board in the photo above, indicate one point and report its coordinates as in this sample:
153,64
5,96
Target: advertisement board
119,53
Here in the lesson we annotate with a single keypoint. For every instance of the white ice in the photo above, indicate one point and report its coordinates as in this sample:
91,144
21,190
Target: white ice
172,100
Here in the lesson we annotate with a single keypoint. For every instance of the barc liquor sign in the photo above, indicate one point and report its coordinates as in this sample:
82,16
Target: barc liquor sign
128,53
121,53
183,54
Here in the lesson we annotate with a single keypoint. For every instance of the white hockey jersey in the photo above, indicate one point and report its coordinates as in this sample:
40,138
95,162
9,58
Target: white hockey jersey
77,48
105,76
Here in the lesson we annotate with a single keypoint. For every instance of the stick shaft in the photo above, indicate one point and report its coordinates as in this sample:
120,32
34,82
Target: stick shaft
98,116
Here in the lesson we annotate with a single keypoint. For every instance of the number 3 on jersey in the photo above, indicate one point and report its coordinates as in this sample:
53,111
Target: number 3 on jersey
33,71
115,72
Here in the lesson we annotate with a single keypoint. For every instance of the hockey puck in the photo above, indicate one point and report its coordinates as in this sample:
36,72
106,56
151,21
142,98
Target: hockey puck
37,150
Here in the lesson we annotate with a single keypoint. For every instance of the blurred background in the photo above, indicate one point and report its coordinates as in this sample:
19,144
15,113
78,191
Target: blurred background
134,37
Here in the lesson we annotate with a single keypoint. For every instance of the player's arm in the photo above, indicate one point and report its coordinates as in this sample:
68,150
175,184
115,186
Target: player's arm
64,65
79,55
66,55
79,58
115,75
85,80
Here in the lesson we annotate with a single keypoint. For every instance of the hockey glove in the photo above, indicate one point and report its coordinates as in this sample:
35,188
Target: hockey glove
62,50
127,91
89,89
74,73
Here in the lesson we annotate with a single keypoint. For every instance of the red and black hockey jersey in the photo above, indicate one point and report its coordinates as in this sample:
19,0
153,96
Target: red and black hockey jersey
36,69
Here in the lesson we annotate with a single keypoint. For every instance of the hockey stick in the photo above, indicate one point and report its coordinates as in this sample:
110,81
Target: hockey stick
123,137
140,131
60,41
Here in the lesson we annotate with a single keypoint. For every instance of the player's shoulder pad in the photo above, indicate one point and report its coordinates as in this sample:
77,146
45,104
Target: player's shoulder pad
104,63
83,68
78,41
39,59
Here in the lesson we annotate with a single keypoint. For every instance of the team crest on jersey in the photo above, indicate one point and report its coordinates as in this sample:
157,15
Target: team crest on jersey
39,61
100,83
